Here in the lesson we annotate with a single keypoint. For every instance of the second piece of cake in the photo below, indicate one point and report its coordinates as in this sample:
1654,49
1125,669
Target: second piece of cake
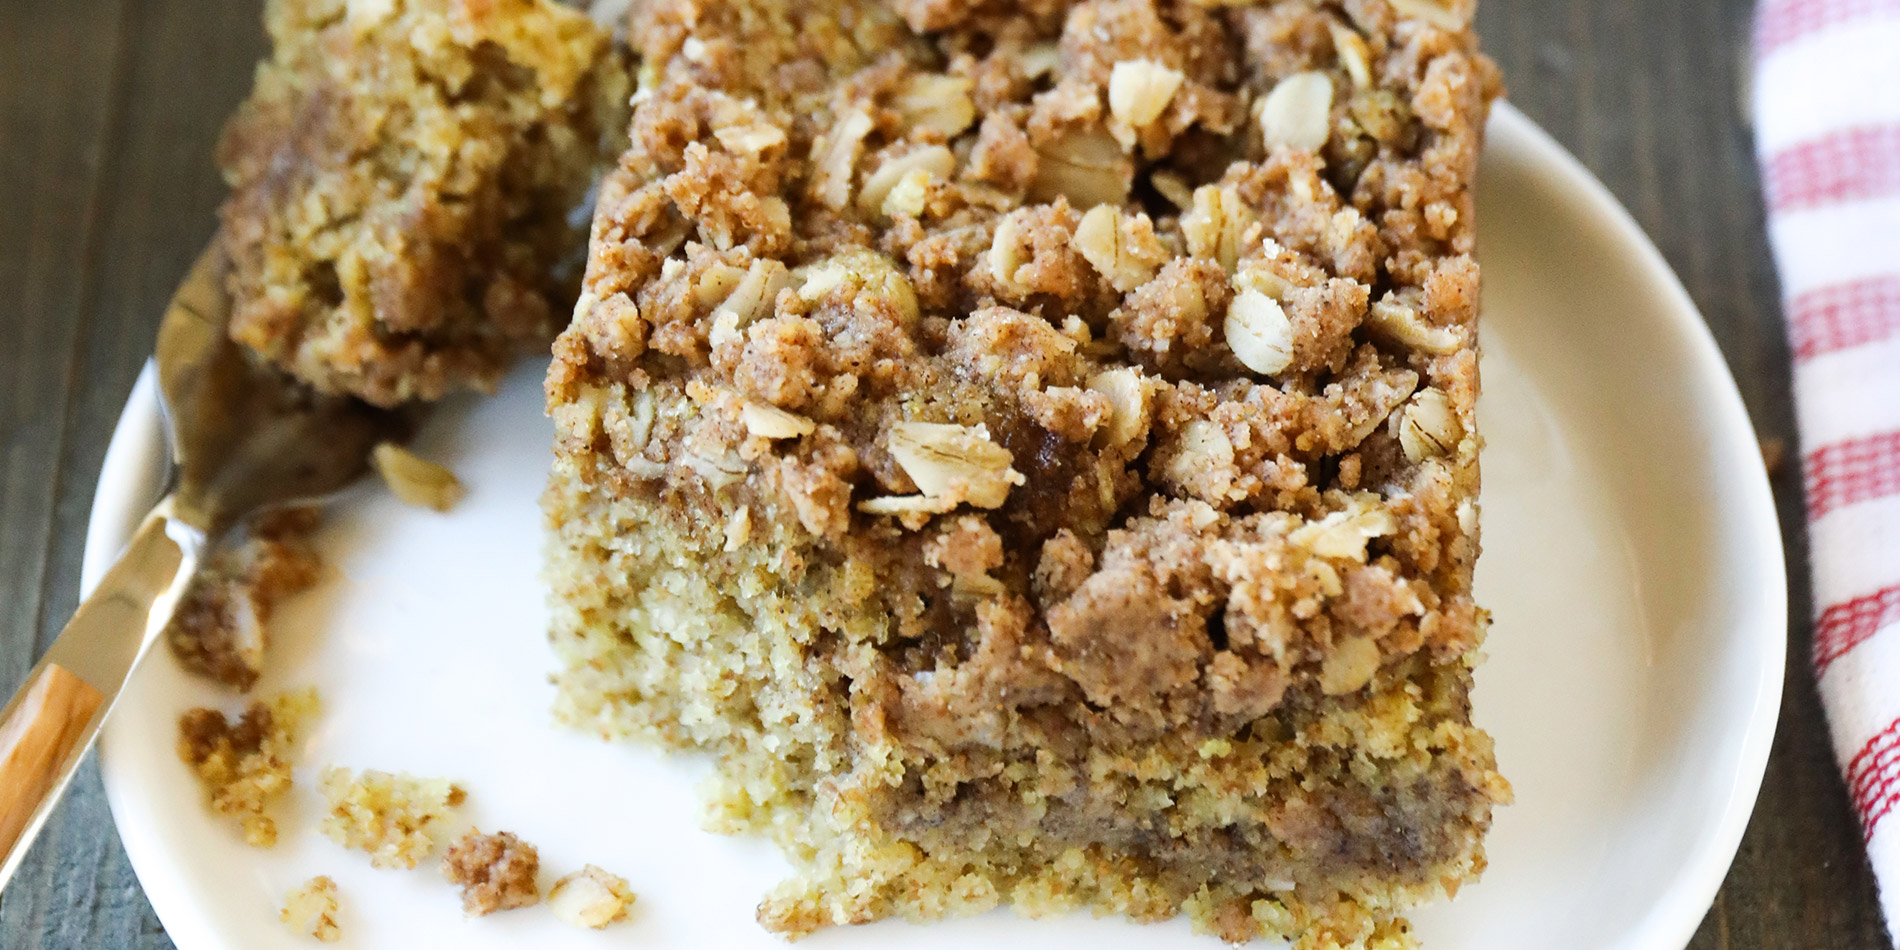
403,177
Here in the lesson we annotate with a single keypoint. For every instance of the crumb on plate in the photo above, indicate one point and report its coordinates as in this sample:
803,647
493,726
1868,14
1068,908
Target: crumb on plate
221,627
245,765
591,897
416,480
310,909
398,819
495,872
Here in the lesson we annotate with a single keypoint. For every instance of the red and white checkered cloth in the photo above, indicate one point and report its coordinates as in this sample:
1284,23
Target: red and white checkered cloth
1827,122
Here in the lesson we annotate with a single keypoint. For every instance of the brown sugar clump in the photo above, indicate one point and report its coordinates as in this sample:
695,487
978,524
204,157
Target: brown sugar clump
403,178
495,872
398,819
245,765
221,627
310,909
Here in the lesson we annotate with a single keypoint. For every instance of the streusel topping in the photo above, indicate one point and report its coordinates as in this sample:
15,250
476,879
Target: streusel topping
972,291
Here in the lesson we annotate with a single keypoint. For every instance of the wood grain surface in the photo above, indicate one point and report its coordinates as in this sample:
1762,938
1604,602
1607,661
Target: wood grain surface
108,112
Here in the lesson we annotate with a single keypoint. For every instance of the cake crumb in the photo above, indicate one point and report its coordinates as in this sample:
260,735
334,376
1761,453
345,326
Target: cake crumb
310,908
397,818
245,765
220,629
495,872
416,480
591,897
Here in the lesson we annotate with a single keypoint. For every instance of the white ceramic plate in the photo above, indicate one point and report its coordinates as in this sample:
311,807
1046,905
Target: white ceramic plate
1632,562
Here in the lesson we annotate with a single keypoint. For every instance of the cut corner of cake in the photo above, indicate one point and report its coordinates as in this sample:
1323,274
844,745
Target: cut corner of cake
1032,449
404,183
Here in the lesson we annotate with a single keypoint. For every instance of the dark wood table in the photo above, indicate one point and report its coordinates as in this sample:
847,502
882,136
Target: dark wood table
108,111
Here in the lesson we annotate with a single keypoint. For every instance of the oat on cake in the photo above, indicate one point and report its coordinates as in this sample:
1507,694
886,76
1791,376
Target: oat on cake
404,176
1031,447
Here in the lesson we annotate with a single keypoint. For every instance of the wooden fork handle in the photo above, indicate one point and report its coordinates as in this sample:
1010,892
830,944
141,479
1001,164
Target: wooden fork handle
48,725
35,740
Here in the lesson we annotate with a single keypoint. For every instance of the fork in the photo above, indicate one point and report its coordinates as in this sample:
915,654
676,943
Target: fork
244,438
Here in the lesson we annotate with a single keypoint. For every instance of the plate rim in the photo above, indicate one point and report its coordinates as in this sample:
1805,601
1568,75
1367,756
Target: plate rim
133,464
1681,912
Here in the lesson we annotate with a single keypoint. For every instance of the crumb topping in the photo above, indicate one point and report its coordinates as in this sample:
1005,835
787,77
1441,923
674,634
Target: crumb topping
901,281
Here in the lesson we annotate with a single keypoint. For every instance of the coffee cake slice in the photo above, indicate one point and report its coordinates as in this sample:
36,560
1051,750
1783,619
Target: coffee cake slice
1031,447
403,177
